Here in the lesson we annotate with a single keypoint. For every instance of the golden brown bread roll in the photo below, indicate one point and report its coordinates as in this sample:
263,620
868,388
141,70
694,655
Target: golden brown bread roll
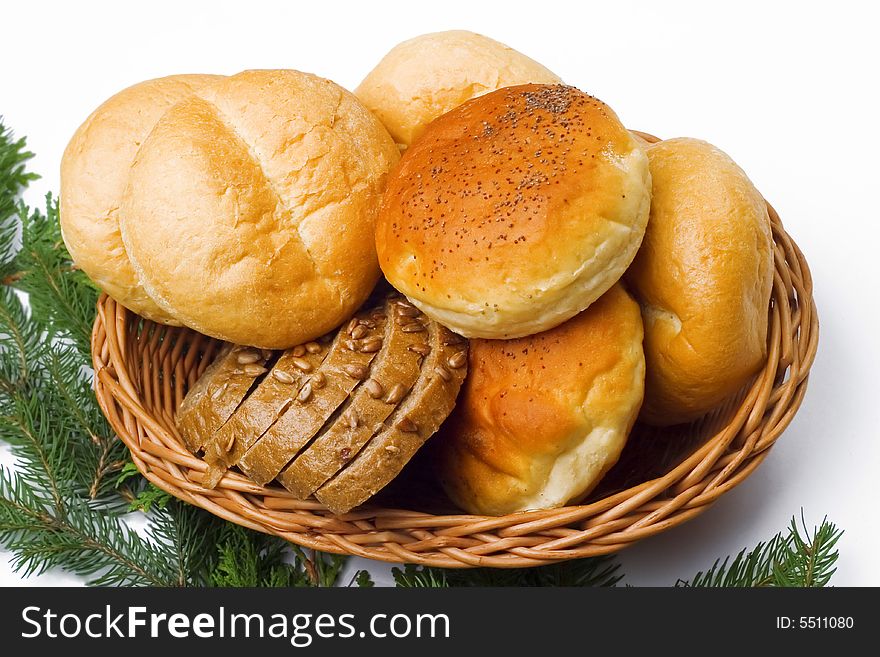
424,77
250,208
703,279
541,419
94,173
514,211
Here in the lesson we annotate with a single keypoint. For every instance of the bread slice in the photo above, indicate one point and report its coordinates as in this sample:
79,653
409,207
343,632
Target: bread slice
412,423
218,392
262,408
346,365
341,416
396,369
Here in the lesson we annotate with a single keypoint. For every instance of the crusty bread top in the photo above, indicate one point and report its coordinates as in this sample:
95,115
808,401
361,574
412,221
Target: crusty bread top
514,211
425,77
250,208
703,278
540,419
94,173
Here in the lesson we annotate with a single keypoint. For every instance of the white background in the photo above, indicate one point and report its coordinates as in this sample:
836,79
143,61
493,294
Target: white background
789,90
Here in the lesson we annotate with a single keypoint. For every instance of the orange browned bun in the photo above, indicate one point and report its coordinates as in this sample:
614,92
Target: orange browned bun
703,278
541,419
515,211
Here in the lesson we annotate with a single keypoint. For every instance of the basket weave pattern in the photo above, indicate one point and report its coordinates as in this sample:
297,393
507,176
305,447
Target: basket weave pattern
143,371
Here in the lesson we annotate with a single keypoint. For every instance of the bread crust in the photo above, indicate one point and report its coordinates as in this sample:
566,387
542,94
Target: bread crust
94,173
515,211
425,77
703,278
250,209
541,419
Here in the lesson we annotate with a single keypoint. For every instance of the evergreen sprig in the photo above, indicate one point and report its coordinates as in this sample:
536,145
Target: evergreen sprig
795,558
61,297
595,571
13,178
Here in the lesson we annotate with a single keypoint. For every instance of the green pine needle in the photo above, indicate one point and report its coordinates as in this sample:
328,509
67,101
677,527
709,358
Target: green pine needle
595,571
61,297
363,580
13,179
249,559
794,559
150,498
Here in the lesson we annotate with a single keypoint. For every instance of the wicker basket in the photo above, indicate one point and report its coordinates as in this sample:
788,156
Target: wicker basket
664,477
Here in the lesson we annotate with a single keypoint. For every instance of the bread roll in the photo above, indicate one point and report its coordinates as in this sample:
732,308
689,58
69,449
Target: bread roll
514,211
94,173
250,208
541,419
420,79
703,278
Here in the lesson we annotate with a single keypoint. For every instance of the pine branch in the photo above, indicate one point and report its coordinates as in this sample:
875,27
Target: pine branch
16,344
13,179
86,540
362,580
249,559
788,559
595,571
62,298
416,577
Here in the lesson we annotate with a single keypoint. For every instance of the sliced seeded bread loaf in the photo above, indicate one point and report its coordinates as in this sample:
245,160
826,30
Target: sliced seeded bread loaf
392,375
417,417
346,365
262,408
218,392
341,417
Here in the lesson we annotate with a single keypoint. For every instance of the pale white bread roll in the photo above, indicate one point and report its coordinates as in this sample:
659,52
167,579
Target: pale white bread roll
250,209
515,211
425,77
703,278
94,173
541,419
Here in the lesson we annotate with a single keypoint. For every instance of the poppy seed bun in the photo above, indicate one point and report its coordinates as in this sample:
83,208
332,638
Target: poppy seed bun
541,419
250,208
703,278
514,211
420,79
94,172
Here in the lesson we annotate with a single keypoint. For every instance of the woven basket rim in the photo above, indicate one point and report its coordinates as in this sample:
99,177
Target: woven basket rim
142,370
